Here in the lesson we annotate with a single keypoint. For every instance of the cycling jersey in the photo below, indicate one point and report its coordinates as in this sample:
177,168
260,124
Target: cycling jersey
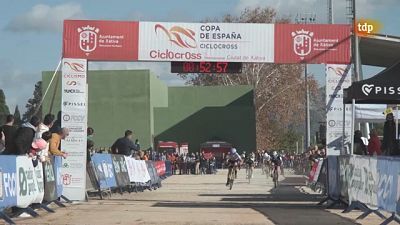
277,160
234,158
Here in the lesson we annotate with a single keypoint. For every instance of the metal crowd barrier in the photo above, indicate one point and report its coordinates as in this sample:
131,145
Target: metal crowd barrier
371,184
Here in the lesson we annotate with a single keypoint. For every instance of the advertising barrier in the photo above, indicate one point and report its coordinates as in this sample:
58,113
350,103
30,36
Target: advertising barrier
27,188
50,192
154,178
160,167
315,170
121,171
373,181
137,170
8,181
104,169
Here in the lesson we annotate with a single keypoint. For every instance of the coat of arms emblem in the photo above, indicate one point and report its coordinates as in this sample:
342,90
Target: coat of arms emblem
88,38
302,42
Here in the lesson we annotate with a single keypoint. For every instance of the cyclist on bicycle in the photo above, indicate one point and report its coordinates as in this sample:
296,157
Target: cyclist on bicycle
266,163
276,160
233,160
250,161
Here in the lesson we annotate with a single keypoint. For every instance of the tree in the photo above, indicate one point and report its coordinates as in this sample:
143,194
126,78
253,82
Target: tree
33,103
17,117
279,89
4,111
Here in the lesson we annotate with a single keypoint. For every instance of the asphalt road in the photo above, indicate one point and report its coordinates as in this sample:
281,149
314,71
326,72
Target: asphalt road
190,199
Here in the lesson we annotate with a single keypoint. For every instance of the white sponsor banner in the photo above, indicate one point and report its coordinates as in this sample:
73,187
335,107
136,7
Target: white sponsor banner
27,186
220,42
363,181
74,117
137,170
338,77
40,183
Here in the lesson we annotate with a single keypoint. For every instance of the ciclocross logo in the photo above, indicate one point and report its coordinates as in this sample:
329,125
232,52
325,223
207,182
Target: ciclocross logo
77,67
73,91
367,89
340,71
302,42
88,38
182,37
73,118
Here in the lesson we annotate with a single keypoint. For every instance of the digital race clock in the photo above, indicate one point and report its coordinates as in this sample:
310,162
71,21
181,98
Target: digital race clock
206,67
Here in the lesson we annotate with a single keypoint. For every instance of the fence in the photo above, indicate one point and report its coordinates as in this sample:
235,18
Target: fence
25,188
371,184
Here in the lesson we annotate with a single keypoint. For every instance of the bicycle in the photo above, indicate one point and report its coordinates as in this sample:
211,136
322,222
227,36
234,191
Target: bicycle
249,172
232,176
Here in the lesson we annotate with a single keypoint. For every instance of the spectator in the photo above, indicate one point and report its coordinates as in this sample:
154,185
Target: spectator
389,136
24,137
359,147
2,142
37,146
9,132
89,144
146,156
57,124
137,144
55,142
197,166
374,146
48,122
124,145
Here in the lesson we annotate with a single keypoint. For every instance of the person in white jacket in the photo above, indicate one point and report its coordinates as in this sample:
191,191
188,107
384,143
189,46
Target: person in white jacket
48,122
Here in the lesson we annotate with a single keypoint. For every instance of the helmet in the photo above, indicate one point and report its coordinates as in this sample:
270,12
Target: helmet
233,150
274,153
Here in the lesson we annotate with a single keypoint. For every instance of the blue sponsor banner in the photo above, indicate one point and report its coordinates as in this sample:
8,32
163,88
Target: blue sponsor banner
333,177
8,181
57,172
388,185
104,169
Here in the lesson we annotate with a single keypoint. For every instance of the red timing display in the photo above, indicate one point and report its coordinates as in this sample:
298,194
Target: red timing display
206,67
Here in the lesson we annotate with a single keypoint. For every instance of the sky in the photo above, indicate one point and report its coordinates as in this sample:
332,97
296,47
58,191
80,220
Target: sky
31,31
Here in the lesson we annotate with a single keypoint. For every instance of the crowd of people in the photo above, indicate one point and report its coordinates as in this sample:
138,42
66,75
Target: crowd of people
37,138
194,163
388,146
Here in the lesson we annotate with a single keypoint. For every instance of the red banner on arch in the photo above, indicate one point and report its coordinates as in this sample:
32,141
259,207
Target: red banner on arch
101,40
312,43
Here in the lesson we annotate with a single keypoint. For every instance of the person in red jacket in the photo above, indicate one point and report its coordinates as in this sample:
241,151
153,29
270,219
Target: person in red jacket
374,146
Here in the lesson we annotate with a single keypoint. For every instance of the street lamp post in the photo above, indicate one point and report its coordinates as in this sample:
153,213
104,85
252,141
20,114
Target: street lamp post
306,18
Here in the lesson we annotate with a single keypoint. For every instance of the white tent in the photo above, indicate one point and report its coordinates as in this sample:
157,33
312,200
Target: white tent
371,113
